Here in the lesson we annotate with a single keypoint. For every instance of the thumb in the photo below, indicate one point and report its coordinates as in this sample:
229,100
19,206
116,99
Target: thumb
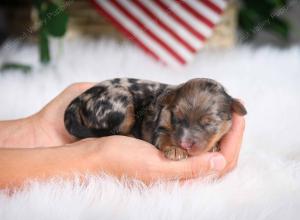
196,166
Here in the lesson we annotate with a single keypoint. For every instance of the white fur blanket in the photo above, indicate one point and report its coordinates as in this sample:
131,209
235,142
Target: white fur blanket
266,183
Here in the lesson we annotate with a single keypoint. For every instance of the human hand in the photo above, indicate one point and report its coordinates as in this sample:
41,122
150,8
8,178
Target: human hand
49,122
125,156
118,156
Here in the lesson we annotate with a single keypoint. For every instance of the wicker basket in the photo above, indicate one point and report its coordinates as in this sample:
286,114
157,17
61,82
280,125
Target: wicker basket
86,21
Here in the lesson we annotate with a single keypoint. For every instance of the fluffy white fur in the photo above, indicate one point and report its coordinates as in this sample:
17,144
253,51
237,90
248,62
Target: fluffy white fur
266,184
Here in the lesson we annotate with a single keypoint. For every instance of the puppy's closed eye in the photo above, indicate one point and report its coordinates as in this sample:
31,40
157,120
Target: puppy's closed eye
205,120
178,118
208,124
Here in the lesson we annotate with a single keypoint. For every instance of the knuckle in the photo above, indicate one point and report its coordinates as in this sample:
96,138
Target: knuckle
194,169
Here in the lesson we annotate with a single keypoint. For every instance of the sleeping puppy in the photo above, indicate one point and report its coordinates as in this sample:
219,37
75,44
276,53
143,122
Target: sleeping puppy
181,120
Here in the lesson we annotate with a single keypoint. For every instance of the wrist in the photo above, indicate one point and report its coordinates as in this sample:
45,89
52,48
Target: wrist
67,162
17,133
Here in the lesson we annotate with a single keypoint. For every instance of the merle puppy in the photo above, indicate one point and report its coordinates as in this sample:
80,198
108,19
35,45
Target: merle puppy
180,120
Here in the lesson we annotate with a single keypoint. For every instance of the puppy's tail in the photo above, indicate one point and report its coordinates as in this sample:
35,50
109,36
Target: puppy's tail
75,125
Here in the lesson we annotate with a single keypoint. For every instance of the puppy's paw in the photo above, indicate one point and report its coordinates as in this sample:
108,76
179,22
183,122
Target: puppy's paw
175,153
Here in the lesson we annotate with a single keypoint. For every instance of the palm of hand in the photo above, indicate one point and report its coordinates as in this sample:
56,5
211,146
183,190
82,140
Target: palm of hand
49,122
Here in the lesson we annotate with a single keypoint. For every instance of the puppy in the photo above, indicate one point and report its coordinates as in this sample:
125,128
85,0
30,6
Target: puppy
181,120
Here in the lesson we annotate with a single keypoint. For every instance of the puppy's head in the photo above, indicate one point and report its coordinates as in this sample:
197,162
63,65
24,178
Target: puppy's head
198,114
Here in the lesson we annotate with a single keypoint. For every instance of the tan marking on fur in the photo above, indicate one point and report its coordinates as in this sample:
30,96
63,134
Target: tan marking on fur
86,97
165,119
164,141
82,119
128,122
214,139
164,122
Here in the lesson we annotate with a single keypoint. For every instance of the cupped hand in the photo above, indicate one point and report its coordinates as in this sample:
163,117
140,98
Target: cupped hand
49,122
133,157
116,155
126,156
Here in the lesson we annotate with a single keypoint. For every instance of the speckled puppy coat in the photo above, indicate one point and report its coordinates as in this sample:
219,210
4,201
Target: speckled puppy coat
180,120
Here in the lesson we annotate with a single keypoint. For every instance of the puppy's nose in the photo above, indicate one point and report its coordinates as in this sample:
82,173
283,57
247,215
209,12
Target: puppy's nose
186,144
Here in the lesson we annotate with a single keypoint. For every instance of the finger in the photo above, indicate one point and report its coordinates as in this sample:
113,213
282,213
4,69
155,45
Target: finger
231,143
193,167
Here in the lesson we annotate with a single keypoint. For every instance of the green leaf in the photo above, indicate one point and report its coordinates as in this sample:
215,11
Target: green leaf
15,66
44,46
248,19
256,15
277,3
281,27
55,20
264,8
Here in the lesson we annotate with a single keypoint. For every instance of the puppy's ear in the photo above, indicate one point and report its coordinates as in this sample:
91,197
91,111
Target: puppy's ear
238,107
167,98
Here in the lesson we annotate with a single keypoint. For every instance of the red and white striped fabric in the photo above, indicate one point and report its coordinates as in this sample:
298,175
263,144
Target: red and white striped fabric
171,31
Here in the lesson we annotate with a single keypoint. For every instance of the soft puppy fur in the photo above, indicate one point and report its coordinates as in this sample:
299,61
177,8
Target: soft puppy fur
182,120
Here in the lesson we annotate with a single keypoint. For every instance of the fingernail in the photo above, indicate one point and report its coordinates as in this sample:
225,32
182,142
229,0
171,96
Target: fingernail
217,163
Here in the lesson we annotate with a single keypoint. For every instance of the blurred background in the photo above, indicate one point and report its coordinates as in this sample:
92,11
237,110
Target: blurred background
256,22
